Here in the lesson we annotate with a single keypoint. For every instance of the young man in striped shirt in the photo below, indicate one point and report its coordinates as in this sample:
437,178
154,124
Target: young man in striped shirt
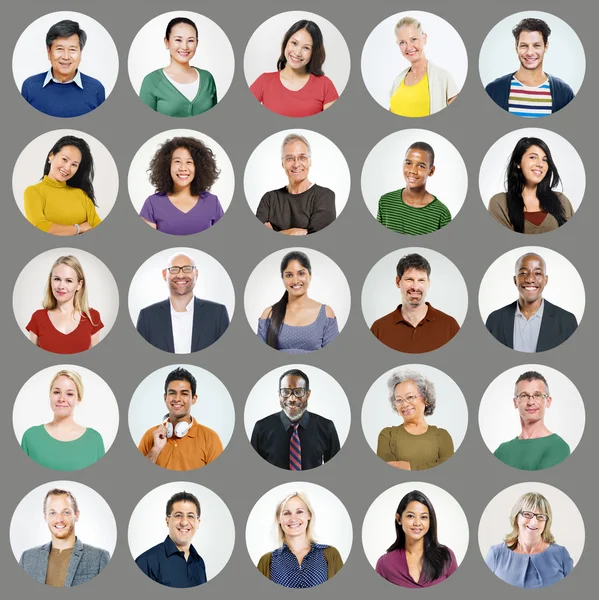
530,92
413,209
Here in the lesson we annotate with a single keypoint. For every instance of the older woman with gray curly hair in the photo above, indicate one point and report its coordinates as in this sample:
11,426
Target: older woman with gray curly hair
414,445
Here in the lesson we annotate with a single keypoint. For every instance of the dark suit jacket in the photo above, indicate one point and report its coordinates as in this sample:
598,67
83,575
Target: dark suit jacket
557,325
210,321
86,562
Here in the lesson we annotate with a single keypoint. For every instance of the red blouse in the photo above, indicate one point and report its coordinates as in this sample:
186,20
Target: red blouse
52,340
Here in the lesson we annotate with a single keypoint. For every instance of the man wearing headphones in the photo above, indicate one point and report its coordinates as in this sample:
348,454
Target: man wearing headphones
180,443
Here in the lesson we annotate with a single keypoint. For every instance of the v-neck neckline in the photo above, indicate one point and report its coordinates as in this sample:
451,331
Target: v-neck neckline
179,91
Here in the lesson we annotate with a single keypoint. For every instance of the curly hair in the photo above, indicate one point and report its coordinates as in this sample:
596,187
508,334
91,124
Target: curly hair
425,386
206,170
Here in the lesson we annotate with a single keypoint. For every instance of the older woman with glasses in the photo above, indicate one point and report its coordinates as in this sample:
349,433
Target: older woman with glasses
414,445
529,556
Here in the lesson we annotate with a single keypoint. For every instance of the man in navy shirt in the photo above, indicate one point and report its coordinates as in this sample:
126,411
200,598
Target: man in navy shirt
175,562
64,91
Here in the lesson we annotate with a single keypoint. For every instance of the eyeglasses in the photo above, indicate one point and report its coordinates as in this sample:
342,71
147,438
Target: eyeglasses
524,397
180,516
185,269
302,158
541,518
297,392
407,400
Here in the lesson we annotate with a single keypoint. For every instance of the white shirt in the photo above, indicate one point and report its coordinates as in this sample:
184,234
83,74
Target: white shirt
189,90
182,323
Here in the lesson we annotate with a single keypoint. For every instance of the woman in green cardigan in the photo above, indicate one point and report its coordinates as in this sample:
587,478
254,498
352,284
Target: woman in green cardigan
179,90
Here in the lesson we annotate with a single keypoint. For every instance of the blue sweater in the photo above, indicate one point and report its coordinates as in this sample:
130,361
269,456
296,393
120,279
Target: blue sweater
499,91
63,99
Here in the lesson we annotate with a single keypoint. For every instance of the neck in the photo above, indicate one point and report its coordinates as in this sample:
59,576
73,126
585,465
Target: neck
416,424
414,314
531,431
531,77
297,544
183,548
65,308
62,422
419,66
179,190
180,302
414,547
529,309
298,187
530,546
290,73
417,194
63,544
295,302
177,67
174,420
63,78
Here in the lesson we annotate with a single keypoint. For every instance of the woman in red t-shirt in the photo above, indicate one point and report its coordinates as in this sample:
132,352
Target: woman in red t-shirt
65,324
299,87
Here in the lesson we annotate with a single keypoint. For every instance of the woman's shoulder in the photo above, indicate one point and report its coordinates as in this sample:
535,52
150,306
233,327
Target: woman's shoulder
397,81
92,433
330,313
267,76
39,313
204,73
389,558
439,431
33,431
266,313
153,76
499,199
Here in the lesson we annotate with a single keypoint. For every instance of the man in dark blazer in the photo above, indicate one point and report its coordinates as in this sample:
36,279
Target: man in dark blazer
294,438
182,323
65,561
531,324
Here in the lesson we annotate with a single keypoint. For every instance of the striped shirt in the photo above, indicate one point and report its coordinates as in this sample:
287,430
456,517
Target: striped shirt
286,571
398,216
526,101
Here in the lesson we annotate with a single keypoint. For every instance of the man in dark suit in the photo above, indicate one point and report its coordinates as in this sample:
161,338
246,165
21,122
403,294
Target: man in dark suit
65,561
294,438
182,323
531,324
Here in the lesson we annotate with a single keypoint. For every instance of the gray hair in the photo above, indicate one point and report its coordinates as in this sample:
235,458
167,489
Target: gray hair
425,386
408,22
295,137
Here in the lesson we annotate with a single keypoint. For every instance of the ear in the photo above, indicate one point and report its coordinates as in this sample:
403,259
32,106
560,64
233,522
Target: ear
76,516
398,518
425,37
80,284
166,44
166,521
515,281
432,170
397,280
50,156
165,400
548,402
515,403
164,274
308,395
194,399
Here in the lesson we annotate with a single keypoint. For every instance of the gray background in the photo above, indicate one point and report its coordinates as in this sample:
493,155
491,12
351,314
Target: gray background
355,241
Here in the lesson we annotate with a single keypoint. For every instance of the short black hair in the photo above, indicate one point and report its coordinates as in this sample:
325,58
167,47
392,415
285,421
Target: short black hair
181,497
425,148
177,21
532,25
181,374
413,261
295,373
531,376
65,29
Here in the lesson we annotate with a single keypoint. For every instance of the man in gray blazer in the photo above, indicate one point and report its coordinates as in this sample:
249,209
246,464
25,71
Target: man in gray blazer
65,561
182,323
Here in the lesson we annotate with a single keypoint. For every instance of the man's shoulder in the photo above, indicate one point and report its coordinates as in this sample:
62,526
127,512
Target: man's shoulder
556,81
558,310
441,316
321,190
385,320
89,81
209,305
504,309
152,552
499,82
31,552
89,550
155,307
320,420
34,80
205,431
268,418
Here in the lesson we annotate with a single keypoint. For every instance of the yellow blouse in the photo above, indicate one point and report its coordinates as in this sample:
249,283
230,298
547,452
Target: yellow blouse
411,100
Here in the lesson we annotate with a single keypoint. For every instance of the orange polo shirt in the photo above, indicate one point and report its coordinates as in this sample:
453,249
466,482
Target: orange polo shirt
200,446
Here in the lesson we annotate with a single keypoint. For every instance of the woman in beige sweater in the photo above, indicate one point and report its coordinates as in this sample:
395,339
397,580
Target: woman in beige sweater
530,204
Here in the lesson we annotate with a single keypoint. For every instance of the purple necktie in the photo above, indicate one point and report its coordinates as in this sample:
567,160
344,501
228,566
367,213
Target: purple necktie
295,450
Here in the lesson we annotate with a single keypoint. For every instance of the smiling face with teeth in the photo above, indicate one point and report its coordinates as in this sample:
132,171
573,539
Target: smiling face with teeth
181,284
294,518
179,400
65,55
296,278
182,169
531,50
534,166
414,521
411,42
181,530
530,279
530,531
409,402
414,286
298,50
417,168
64,164
181,43
61,516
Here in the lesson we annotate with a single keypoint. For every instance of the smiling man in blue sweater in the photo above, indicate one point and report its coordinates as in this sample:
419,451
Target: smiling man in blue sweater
63,91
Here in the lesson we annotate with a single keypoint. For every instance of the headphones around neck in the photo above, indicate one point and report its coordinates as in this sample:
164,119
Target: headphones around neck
179,430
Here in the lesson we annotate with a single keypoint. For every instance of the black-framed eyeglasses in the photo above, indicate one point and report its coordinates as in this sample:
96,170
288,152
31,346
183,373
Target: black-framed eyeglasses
541,518
186,269
297,392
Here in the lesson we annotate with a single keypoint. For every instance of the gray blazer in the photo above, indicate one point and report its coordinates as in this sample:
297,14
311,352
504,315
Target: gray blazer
86,562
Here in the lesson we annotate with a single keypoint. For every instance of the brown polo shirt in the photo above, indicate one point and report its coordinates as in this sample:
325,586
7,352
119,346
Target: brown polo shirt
200,446
434,331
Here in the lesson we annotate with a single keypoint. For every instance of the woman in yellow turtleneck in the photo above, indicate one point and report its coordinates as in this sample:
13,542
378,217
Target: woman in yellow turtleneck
423,88
63,202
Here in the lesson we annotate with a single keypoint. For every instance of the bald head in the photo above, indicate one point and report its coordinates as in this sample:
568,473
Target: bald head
526,257
181,258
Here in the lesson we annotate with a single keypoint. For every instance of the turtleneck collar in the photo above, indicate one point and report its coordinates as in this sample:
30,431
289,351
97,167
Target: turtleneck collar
54,183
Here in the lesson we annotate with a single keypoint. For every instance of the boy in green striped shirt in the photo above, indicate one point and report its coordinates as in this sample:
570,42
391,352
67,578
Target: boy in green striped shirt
412,209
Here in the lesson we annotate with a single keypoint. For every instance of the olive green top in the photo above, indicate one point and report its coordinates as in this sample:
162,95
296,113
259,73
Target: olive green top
423,451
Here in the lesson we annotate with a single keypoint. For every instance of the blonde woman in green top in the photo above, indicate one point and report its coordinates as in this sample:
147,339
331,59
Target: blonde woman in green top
179,90
415,445
62,444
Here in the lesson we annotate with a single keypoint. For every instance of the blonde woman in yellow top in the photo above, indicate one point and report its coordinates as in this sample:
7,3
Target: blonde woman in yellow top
63,202
423,88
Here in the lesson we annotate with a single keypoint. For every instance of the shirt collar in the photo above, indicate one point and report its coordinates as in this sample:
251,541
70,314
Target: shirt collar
171,548
188,308
313,546
537,315
287,423
76,80
430,314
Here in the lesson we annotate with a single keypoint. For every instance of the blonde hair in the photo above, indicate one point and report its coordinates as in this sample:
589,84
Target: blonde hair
532,502
281,506
408,22
74,377
80,303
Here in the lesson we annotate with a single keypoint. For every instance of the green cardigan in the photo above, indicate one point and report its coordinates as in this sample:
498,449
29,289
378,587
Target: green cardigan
163,97
331,555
